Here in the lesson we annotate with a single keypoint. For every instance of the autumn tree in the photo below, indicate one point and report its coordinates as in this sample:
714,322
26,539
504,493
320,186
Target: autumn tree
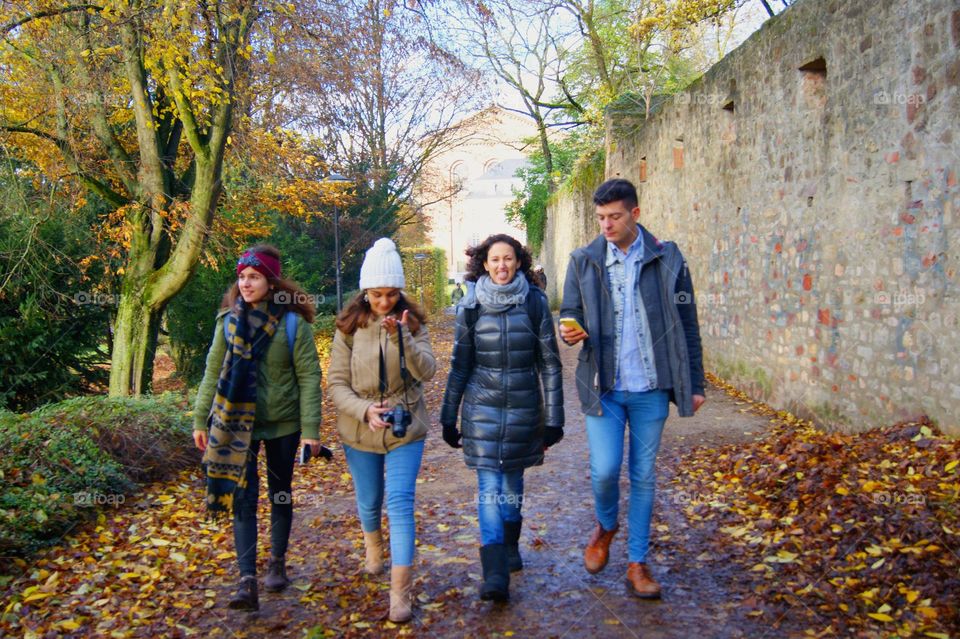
132,101
522,44
636,47
382,97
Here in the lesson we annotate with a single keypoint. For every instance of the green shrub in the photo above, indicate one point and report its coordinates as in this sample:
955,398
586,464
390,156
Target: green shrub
54,314
434,271
529,205
67,459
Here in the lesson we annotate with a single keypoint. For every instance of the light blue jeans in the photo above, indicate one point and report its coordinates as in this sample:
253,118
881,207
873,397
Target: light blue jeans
402,465
646,413
499,499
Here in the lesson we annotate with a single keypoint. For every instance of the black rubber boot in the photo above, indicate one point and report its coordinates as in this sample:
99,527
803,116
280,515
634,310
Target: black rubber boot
496,575
246,597
511,539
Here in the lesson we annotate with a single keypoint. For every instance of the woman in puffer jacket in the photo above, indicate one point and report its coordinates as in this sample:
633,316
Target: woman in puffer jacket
506,369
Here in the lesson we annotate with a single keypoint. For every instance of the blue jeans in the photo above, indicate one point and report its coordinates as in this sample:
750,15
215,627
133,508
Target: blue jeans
646,413
499,499
402,465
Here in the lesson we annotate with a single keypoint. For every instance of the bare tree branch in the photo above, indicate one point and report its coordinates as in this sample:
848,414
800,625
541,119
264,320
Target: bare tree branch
48,13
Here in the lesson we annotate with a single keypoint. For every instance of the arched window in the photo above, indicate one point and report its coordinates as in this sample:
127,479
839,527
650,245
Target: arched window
459,172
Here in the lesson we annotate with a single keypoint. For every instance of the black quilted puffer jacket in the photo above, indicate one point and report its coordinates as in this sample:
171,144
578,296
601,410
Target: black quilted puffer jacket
508,374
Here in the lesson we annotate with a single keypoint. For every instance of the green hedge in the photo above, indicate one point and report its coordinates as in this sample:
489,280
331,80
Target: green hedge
65,461
434,269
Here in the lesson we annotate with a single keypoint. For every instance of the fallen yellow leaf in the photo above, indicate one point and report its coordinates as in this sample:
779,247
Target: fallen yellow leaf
879,616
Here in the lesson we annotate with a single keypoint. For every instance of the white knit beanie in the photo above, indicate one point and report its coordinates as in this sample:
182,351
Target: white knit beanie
382,267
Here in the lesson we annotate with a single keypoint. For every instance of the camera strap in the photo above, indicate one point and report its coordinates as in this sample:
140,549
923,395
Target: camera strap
403,367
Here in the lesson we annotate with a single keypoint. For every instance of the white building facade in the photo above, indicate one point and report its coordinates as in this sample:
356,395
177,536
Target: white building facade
480,172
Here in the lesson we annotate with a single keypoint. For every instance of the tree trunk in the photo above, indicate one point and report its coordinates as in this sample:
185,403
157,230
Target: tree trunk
547,153
134,345
148,286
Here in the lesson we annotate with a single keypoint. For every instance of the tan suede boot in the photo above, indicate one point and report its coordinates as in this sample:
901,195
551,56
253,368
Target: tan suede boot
401,597
373,543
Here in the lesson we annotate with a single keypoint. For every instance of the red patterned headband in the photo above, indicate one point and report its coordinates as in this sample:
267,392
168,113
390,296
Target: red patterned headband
266,265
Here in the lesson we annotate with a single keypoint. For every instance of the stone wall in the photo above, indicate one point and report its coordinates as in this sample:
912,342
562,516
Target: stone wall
811,179
570,224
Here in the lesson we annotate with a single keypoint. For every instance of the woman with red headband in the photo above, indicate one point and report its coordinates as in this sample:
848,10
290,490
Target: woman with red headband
261,385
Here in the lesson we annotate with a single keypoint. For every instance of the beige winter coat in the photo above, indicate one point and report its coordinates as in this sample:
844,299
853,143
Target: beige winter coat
353,383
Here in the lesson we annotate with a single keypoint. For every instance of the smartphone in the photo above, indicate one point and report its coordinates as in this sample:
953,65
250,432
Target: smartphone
305,454
572,323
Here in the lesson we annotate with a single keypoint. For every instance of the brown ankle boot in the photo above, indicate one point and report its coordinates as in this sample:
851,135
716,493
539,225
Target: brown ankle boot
401,597
597,552
276,580
640,582
246,597
373,547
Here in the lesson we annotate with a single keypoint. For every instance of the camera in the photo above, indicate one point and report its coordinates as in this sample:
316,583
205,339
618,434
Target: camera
399,418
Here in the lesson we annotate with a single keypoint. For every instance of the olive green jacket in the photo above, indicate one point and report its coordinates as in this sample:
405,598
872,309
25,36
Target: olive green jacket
353,382
288,392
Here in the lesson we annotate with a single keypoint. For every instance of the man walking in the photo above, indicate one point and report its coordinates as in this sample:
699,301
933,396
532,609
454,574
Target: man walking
456,295
633,298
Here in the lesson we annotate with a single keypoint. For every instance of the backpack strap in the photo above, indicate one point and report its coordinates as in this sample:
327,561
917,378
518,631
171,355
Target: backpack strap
291,331
471,313
291,326
534,308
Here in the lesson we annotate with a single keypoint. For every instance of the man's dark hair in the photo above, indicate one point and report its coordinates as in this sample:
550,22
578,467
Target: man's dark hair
616,190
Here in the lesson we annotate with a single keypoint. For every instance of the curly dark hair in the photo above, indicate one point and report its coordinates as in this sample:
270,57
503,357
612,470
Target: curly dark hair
478,255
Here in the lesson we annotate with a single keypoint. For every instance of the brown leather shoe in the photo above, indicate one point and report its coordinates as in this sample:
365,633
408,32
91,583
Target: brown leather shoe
597,552
640,582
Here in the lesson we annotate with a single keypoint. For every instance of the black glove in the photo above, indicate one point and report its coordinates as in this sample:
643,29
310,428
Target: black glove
451,435
551,436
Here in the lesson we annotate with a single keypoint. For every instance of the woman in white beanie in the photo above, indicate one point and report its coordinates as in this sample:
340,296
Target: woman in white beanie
381,356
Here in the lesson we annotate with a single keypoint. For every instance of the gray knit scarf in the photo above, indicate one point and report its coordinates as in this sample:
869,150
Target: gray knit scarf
497,298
